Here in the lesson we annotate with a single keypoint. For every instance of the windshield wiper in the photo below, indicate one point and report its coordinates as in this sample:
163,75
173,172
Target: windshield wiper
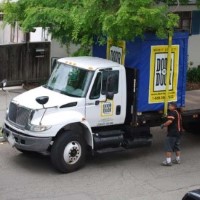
68,94
45,86
48,87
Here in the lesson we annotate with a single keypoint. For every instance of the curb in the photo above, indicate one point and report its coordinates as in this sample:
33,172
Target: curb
14,87
2,139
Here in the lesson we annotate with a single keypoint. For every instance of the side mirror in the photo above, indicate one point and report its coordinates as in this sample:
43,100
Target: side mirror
42,100
109,87
110,95
3,83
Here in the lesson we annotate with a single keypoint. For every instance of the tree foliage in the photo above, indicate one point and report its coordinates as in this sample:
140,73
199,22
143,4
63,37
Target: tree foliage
79,21
193,75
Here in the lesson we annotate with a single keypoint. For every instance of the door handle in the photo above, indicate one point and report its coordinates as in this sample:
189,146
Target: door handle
118,110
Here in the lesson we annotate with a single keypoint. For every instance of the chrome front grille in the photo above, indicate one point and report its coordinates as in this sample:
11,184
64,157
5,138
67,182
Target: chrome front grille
18,115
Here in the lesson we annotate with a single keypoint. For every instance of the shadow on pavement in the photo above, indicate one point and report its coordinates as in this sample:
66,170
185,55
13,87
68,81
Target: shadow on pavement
38,163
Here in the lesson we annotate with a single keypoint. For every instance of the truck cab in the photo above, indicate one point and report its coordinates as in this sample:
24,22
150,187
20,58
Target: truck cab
83,106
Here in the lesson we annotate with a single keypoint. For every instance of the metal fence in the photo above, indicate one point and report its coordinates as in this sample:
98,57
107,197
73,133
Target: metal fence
25,63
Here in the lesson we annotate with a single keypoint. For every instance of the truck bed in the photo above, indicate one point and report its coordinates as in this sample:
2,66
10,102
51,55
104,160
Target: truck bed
192,101
191,112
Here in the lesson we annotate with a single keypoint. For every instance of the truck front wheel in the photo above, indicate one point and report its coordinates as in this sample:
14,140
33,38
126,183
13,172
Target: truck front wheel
68,152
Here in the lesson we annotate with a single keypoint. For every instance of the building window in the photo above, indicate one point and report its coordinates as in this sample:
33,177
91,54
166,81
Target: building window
196,22
1,16
185,21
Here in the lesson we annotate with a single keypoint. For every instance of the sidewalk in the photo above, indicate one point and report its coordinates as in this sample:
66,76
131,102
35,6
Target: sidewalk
192,100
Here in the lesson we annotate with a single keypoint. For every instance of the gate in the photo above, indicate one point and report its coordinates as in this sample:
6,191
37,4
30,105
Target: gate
25,63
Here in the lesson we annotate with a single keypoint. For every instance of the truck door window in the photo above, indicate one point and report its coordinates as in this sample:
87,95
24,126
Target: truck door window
115,79
96,89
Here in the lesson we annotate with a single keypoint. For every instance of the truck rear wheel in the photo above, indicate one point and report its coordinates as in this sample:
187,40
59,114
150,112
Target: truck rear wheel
68,152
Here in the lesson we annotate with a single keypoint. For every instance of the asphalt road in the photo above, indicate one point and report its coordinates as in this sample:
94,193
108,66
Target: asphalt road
130,175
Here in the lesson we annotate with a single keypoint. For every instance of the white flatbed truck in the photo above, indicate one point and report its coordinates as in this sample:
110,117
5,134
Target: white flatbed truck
85,106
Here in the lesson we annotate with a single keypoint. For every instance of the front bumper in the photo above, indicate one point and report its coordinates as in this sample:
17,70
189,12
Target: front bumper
25,142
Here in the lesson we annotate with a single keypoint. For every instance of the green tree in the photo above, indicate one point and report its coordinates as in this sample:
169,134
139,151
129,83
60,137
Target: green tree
79,21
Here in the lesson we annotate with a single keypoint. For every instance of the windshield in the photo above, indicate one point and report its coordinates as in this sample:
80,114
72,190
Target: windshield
69,80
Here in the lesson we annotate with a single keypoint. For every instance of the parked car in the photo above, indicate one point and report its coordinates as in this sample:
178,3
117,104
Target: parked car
192,195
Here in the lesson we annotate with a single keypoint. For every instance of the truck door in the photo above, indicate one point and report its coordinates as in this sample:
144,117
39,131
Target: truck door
101,111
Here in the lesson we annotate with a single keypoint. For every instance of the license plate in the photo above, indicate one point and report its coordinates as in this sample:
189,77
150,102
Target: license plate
11,140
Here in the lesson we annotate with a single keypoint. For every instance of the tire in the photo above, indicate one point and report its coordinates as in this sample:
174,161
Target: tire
68,152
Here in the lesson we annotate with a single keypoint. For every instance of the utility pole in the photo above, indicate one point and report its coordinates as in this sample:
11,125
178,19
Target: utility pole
169,55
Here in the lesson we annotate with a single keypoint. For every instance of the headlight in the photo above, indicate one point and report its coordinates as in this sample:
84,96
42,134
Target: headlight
38,128
35,128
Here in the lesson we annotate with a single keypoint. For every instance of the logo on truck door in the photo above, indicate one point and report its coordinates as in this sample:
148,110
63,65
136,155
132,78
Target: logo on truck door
116,51
107,109
158,72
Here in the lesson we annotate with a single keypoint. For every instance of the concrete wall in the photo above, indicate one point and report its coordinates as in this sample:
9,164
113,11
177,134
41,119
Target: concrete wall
40,35
15,35
9,35
182,8
194,51
60,51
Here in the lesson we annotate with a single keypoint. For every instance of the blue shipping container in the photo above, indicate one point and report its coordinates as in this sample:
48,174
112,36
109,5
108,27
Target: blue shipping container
149,56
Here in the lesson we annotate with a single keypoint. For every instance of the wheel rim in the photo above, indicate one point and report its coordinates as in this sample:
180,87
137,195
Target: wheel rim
72,152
